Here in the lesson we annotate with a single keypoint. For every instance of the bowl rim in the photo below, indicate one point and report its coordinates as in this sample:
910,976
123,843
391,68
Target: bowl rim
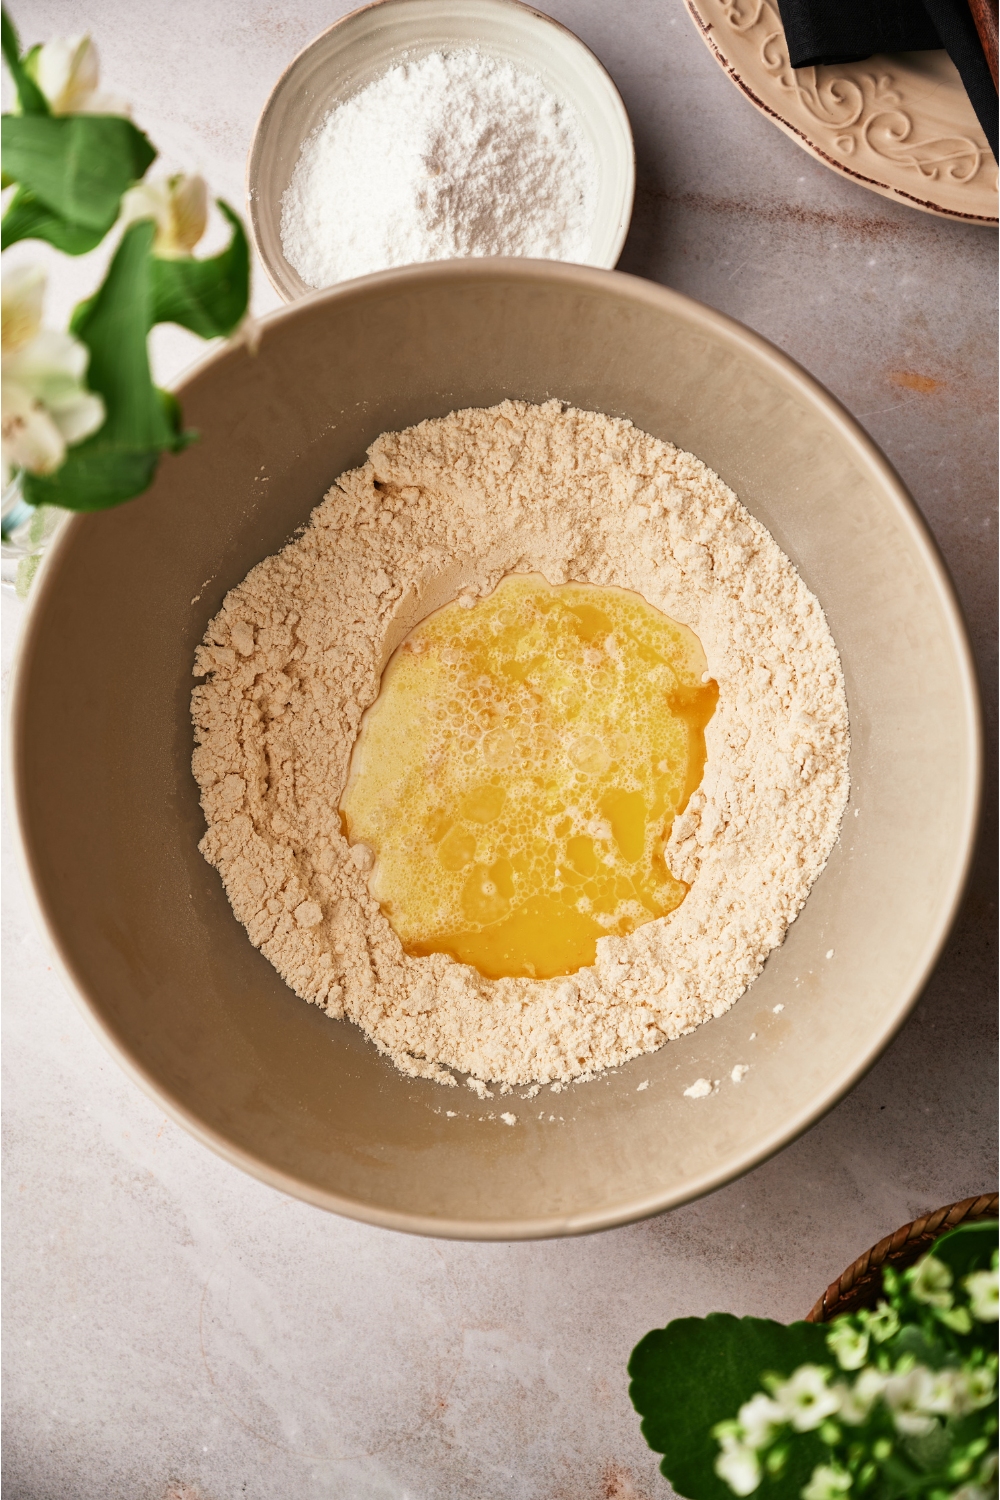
737,335
251,171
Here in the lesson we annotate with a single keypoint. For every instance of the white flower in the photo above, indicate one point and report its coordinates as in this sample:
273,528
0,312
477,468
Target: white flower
883,1323
179,207
849,1345
738,1465
930,1282
988,1467
909,1398
45,404
31,440
806,1400
758,1418
67,71
21,300
975,1389
946,1393
827,1483
856,1401
954,1393
983,1288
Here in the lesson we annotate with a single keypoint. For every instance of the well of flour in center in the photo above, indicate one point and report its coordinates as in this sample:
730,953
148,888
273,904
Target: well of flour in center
297,654
518,775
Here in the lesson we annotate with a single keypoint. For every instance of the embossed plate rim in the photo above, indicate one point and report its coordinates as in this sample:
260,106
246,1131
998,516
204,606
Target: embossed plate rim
759,89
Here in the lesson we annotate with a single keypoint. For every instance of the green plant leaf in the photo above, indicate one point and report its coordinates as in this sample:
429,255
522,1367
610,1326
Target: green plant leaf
918,1341
967,1248
114,325
699,1371
120,459
29,96
208,296
92,479
28,219
77,165
183,437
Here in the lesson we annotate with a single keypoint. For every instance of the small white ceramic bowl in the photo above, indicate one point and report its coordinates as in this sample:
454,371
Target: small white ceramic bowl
364,45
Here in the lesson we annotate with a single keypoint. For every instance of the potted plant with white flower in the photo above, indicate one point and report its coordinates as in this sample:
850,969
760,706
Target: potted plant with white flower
83,424
890,1401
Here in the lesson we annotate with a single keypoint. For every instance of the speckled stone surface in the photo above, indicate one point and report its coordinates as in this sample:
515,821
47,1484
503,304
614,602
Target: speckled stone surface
174,1328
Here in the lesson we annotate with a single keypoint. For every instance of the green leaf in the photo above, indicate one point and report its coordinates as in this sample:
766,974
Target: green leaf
967,1248
183,437
92,479
28,219
699,1371
120,459
114,325
208,296
81,312
29,95
921,1343
77,165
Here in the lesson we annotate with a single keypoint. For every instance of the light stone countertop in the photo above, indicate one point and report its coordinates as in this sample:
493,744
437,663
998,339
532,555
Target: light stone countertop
175,1328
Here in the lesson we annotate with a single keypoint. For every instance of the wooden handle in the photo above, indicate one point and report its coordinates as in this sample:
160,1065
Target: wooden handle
984,13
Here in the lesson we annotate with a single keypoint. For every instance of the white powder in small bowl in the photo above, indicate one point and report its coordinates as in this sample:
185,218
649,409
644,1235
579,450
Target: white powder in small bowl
456,154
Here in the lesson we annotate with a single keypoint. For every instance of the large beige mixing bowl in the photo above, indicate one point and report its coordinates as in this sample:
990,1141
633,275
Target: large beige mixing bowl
110,821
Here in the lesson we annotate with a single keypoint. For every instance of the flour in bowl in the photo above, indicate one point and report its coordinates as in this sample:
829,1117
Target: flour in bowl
454,154
446,509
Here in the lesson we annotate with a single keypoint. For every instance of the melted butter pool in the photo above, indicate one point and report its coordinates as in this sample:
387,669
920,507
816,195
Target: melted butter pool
519,772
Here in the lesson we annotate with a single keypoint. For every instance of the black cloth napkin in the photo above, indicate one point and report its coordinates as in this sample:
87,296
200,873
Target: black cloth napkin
836,31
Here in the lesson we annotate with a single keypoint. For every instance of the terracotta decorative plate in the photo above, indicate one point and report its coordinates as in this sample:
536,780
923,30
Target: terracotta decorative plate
901,125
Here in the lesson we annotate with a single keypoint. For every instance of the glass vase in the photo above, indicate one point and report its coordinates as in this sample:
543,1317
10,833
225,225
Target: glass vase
27,531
